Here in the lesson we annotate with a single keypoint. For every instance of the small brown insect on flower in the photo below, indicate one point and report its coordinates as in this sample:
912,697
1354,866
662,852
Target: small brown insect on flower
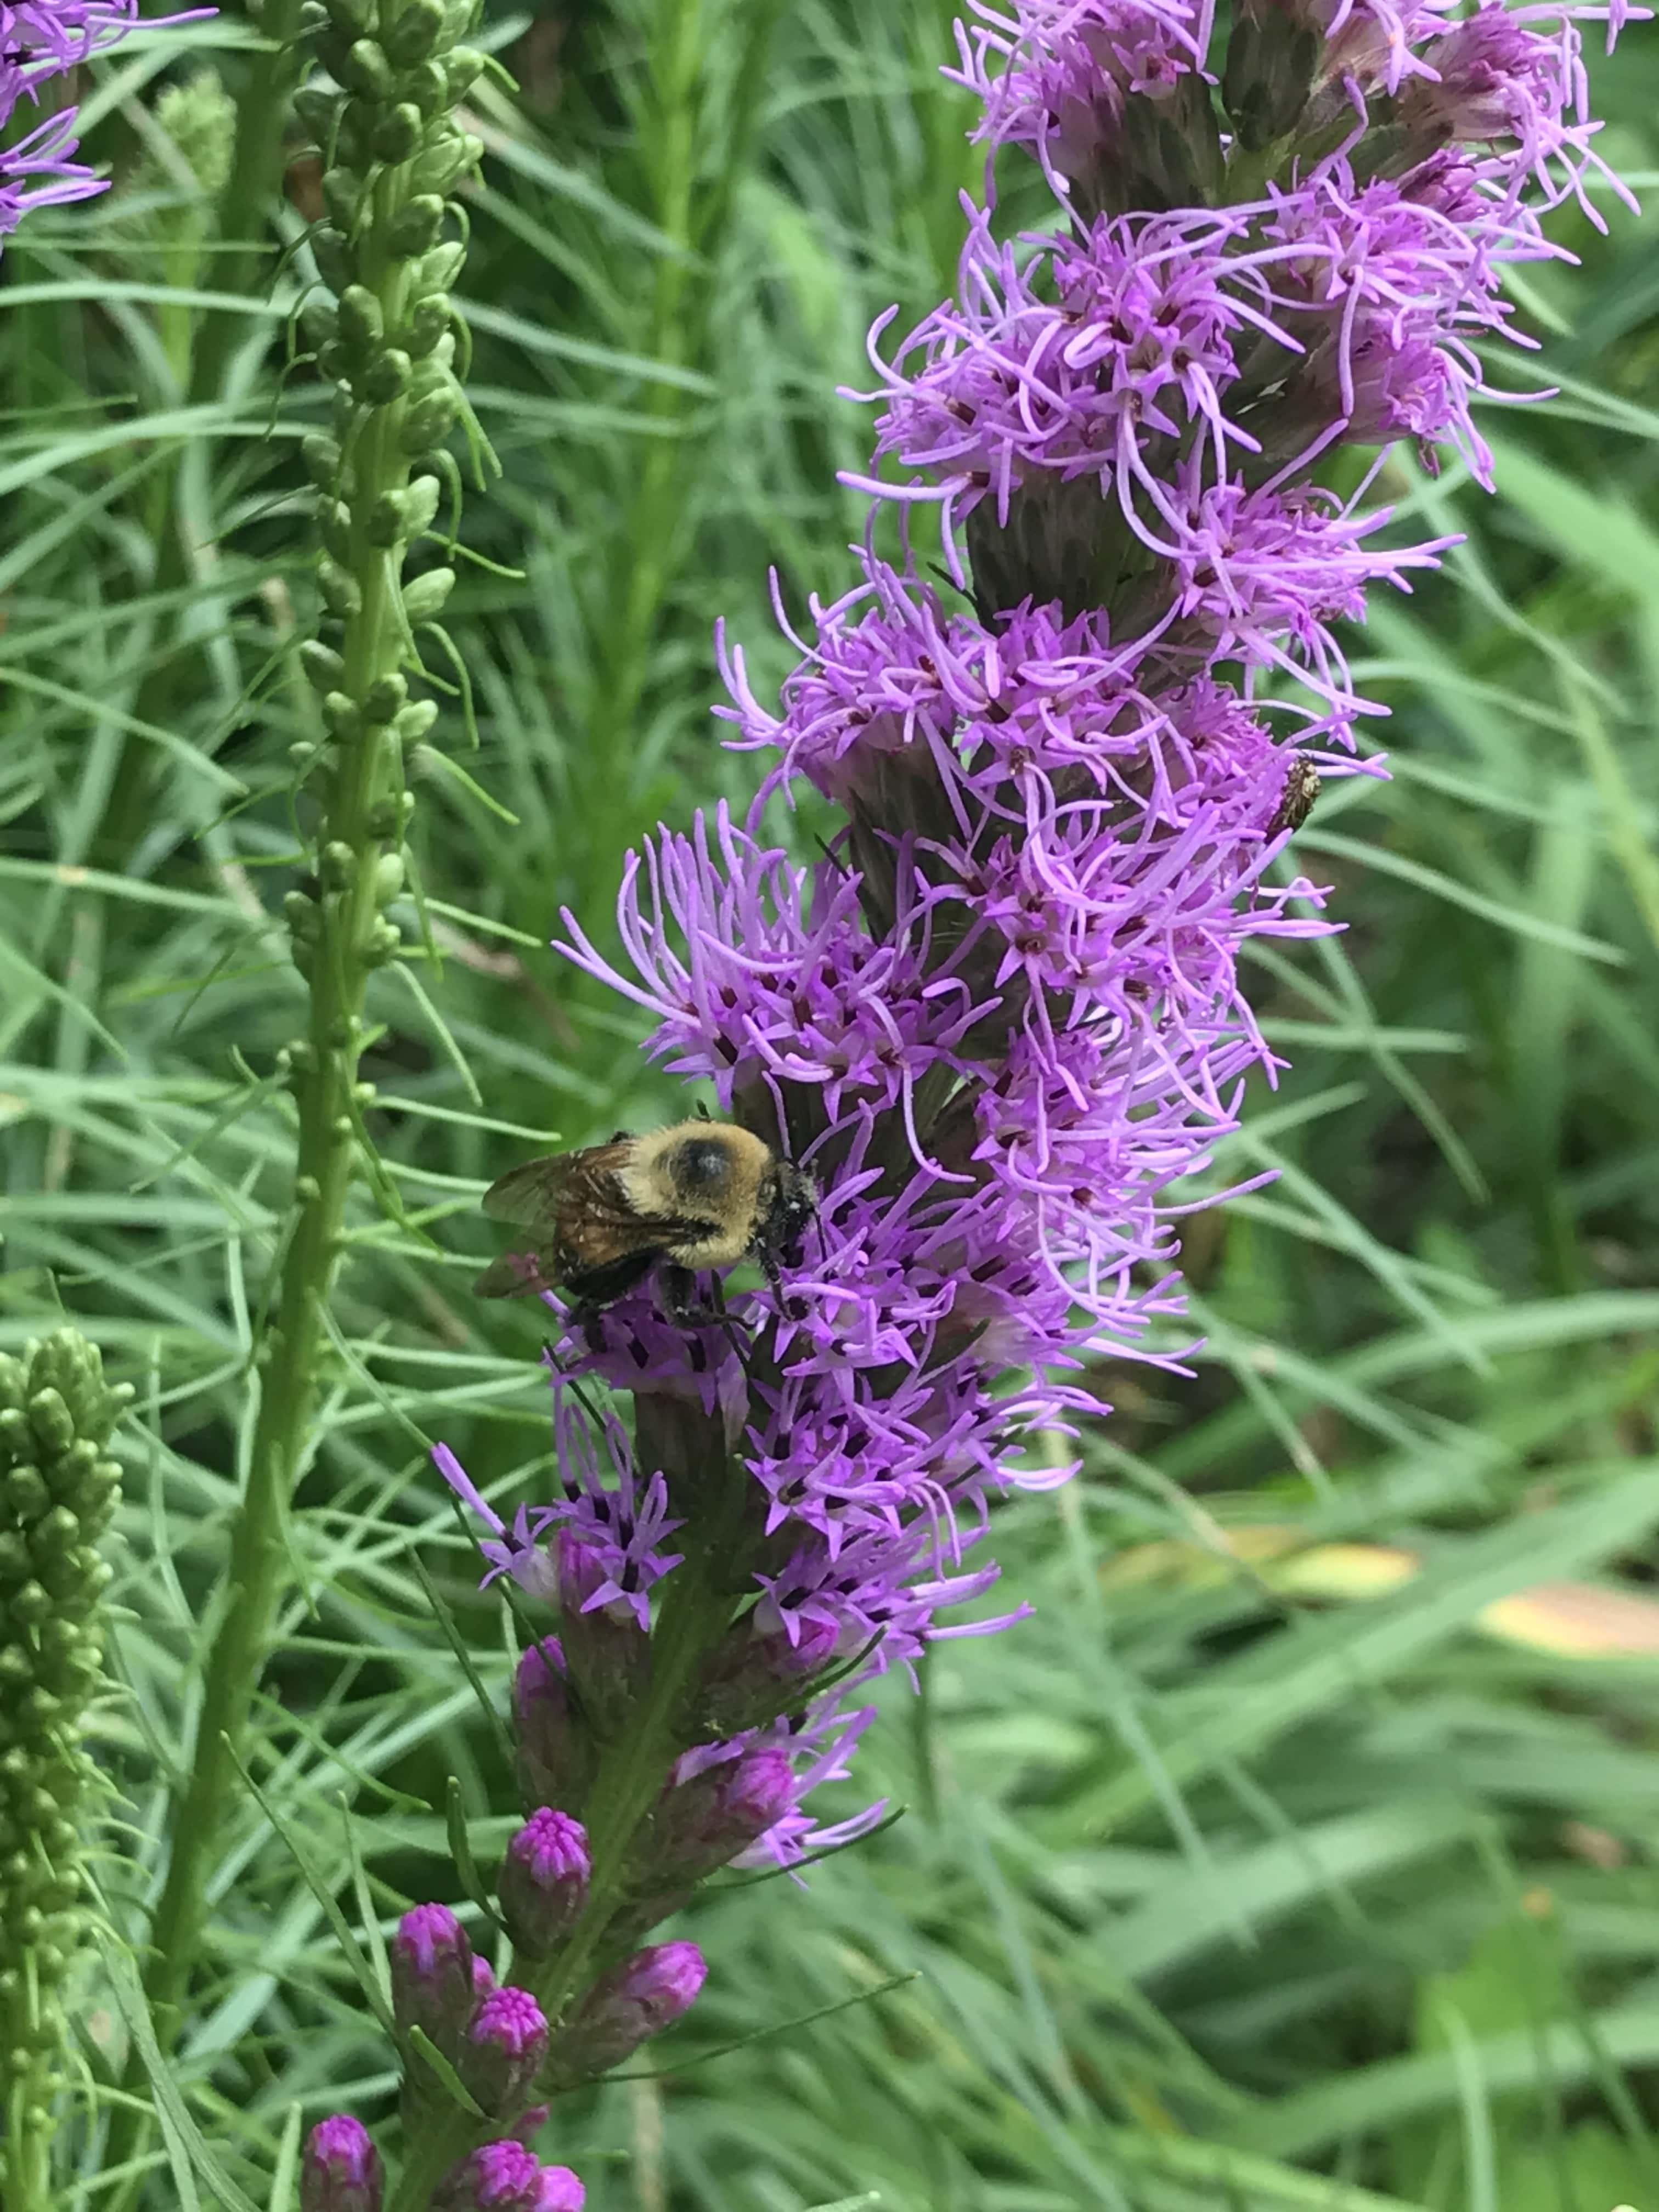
1296,800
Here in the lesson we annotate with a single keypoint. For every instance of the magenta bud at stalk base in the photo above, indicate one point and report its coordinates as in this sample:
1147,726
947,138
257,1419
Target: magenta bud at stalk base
551,1763
433,1975
503,2051
543,1881
505,2177
340,2170
636,2001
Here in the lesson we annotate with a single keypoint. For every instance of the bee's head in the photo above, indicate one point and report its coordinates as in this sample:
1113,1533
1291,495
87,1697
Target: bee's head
795,1204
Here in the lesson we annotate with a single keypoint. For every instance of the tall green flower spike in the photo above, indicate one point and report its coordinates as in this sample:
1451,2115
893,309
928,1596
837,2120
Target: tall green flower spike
386,337
57,1491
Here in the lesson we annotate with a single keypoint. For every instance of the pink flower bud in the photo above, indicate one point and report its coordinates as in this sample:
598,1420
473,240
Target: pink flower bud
433,1975
503,2051
553,1761
633,2003
544,1884
505,2177
605,1646
340,2170
713,1815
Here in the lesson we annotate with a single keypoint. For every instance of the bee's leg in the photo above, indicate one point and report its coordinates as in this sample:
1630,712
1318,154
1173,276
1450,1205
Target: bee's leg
679,1296
593,1289
769,1256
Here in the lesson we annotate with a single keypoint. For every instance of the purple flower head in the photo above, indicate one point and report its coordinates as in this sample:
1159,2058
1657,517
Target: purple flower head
505,2044
341,2169
505,2177
636,2001
433,1975
544,1885
1060,78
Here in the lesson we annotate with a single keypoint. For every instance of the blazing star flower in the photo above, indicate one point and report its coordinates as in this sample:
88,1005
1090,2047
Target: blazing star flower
1001,1019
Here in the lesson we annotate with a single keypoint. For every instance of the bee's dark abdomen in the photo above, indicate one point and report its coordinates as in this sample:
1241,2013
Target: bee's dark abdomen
702,1166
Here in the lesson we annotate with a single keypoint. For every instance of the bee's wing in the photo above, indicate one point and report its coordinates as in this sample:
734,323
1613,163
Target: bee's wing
580,1213
514,1275
535,1195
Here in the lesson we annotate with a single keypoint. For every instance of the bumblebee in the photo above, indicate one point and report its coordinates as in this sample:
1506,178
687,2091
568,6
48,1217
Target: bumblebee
697,1195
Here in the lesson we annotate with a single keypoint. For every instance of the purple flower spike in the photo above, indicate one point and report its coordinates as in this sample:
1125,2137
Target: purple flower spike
505,2177
340,2170
544,1884
503,2053
633,2003
433,1975
1004,1020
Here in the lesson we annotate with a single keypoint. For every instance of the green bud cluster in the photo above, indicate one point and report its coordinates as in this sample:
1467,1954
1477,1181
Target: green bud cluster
57,1491
383,330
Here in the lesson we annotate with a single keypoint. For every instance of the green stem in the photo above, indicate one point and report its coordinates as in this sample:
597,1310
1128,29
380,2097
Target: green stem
365,780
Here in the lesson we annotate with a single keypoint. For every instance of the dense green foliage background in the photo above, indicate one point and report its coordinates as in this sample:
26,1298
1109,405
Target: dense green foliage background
1226,1882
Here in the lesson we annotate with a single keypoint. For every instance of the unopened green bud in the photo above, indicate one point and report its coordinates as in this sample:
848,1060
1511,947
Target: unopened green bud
352,19
342,188
439,269
367,70
332,255
384,699
425,597
441,161
320,320
416,720
318,107
25,1495
388,878
463,69
301,914
381,942
340,712
362,323
427,325
414,230
431,421
387,522
398,133
419,27
427,85
342,594
50,1421
385,378
321,456
324,670
334,518
338,865
420,505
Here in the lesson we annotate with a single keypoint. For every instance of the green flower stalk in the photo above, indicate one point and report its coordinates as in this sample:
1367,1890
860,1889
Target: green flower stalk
57,1491
386,337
